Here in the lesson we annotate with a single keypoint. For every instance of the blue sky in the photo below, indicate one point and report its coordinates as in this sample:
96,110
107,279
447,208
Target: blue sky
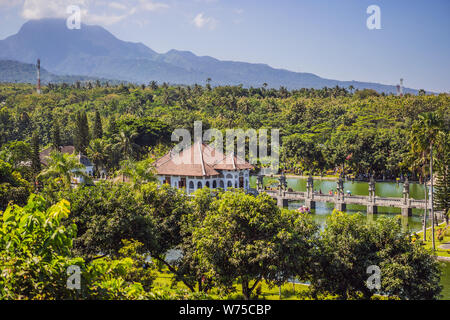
326,37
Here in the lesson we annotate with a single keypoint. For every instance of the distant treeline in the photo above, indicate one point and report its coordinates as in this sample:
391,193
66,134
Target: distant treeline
321,129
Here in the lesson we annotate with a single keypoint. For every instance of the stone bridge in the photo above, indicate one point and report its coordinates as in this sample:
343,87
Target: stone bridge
340,199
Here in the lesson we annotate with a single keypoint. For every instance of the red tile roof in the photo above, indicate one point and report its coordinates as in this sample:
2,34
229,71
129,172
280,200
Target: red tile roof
65,149
45,153
199,160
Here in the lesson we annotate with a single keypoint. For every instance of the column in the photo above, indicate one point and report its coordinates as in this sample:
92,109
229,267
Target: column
260,182
340,204
282,202
371,207
309,200
406,207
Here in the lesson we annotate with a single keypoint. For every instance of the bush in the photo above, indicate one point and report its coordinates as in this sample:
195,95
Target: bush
349,245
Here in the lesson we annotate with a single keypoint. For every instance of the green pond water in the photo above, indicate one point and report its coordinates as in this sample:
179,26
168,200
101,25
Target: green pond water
383,189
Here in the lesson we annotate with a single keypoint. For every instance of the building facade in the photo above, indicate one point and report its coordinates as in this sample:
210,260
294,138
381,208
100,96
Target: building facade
202,166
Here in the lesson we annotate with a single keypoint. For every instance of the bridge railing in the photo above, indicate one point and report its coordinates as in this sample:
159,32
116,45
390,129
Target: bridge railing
419,203
295,194
350,199
381,201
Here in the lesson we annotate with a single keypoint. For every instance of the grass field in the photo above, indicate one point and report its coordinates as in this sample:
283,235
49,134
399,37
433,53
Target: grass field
289,291
446,239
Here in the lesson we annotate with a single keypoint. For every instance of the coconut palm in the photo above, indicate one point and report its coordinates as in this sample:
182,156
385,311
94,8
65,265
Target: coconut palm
98,153
138,172
125,143
351,88
63,167
424,134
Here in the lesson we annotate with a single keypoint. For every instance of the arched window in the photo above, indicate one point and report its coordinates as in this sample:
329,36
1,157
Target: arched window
207,184
229,184
229,176
214,184
199,185
191,185
221,184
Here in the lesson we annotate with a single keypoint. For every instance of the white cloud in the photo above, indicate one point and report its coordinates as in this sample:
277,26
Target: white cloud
207,1
105,19
92,12
117,5
153,6
10,3
38,9
201,21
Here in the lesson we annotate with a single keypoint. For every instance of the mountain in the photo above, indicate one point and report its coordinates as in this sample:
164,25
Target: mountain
92,51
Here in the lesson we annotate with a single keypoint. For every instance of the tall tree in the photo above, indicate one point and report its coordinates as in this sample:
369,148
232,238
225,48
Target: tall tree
56,135
125,143
81,138
112,129
98,128
424,135
98,152
442,191
248,239
35,159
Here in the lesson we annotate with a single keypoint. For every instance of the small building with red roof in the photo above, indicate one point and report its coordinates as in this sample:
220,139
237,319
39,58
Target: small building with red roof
202,165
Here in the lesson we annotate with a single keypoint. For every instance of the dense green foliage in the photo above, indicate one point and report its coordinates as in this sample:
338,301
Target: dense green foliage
36,253
349,245
321,130
221,239
247,238
12,186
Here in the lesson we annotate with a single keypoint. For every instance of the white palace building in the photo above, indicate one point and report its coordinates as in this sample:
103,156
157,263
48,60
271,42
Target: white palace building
203,166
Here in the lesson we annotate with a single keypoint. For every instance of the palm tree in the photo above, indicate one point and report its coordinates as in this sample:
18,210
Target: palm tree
443,174
126,144
351,87
63,167
139,172
424,134
98,153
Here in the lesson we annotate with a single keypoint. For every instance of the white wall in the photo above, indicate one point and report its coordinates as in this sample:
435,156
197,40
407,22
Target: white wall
227,180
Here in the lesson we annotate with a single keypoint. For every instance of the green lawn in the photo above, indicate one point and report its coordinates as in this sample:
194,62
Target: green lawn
446,239
164,279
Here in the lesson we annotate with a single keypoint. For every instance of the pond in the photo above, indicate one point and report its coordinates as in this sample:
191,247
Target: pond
383,189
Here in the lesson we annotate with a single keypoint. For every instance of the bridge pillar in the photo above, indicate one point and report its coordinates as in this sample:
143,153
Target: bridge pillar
406,191
260,182
371,209
310,203
282,203
406,211
340,206
309,187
